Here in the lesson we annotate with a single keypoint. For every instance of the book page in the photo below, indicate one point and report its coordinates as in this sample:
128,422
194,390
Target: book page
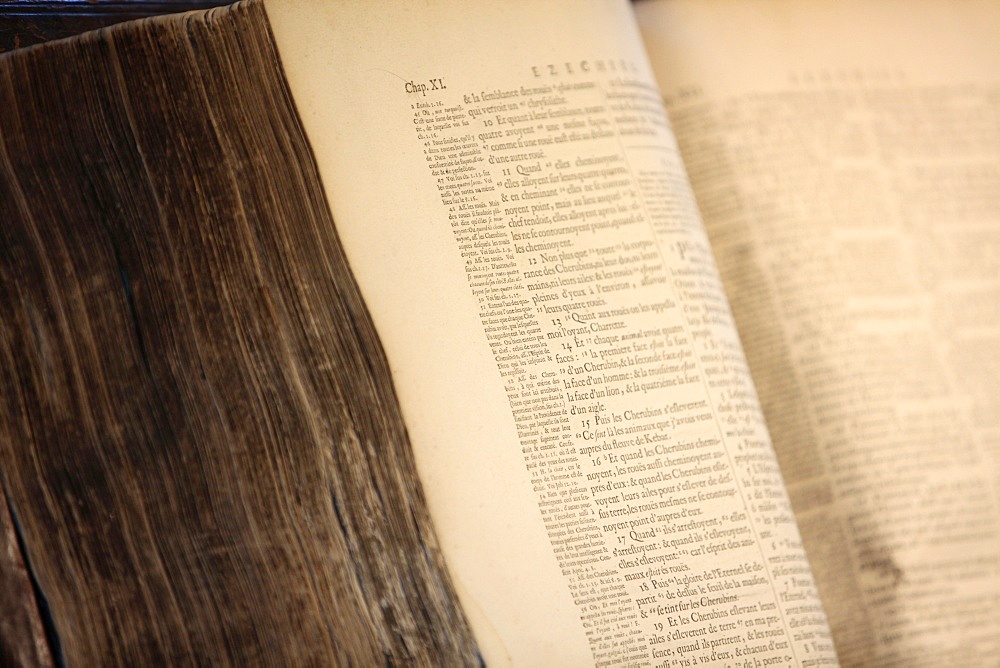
846,159
515,211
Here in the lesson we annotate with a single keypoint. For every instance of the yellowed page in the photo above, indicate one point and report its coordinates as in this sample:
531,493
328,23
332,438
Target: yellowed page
846,159
592,450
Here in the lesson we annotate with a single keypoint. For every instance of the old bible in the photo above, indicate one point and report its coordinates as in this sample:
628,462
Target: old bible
554,333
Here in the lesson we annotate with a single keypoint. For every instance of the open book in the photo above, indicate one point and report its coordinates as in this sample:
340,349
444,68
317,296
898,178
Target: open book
689,307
